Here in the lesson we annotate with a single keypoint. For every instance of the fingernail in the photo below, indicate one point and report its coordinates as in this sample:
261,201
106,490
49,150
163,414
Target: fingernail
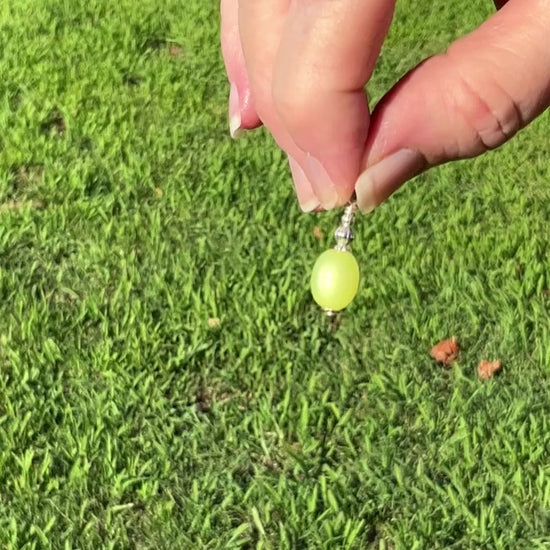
306,198
234,113
324,188
380,180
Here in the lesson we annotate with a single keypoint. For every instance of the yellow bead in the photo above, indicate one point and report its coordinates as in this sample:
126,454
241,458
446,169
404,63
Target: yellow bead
335,279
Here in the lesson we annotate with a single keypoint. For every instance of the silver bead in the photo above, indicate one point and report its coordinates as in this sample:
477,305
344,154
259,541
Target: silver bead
344,233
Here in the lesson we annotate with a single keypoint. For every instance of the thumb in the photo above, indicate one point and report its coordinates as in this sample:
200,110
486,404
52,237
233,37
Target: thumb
475,97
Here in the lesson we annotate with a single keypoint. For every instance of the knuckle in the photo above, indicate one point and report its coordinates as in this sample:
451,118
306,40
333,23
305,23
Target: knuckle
489,112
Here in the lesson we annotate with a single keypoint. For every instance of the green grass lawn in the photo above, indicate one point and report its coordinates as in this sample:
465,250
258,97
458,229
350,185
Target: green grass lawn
129,221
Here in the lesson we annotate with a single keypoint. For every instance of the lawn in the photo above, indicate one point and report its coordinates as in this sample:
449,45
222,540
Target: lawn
166,380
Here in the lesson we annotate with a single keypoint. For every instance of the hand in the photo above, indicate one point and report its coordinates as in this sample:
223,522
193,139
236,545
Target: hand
300,66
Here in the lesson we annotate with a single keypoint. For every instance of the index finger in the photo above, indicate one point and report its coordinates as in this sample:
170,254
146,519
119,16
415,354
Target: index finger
327,54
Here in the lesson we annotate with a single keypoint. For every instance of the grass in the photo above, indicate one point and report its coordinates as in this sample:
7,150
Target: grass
129,418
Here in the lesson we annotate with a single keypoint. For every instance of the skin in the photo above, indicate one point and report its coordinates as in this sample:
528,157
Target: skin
293,70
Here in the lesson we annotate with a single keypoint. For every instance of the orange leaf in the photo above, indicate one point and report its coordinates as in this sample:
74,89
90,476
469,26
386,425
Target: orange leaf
486,369
445,352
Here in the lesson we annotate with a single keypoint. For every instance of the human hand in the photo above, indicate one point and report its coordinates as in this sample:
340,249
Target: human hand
299,67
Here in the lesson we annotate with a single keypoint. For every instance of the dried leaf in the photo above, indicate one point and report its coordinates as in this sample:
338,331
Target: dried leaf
159,192
486,369
175,50
318,233
445,352
214,322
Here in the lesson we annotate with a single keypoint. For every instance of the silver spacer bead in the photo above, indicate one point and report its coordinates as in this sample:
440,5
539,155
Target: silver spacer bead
344,233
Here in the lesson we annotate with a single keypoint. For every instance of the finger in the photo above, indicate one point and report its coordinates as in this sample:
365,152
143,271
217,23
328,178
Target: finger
261,24
487,86
328,51
242,114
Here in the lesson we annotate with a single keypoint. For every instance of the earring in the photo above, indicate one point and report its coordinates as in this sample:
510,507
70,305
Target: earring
335,275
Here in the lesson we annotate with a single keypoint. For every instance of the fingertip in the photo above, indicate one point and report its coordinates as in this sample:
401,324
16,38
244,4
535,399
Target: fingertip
242,113
249,117
381,180
329,193
306,197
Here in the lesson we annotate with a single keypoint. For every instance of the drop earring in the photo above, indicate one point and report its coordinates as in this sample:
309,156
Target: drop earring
335,275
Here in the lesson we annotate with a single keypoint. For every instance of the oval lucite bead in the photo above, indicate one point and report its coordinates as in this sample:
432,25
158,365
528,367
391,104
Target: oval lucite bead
335,279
